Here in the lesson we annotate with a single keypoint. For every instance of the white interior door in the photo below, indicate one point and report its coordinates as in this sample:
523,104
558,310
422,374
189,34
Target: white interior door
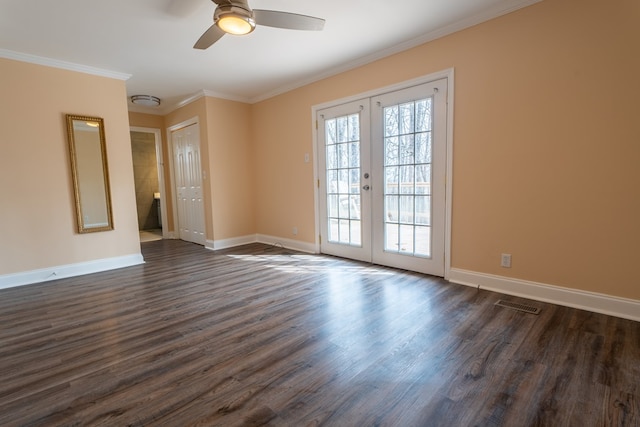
188,183
382,176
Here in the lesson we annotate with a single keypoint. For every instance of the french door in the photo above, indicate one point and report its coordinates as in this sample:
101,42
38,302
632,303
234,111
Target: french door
382,168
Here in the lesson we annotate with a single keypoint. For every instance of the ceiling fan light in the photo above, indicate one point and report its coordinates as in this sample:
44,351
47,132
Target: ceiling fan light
236,24
234,20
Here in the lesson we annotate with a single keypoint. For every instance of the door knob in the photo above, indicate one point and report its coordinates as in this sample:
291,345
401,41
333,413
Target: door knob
366,187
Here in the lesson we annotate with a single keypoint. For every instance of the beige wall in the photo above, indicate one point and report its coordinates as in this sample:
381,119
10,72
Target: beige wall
226,162
546,143
284,182
144,120
230,168
37,216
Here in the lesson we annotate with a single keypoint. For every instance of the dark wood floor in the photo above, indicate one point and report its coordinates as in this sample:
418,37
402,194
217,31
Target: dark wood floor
259,335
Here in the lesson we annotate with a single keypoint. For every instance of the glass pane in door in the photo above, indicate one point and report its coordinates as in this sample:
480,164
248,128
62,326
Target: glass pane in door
342,145
407,177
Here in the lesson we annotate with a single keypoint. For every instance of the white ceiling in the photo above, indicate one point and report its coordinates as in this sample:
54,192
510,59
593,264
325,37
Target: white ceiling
148,40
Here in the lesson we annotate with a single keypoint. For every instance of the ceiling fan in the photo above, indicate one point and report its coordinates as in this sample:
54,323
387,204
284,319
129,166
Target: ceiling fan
236,17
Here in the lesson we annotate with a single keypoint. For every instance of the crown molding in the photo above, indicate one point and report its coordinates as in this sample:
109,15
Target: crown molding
226,96
463,24
131,107
194,97
55,63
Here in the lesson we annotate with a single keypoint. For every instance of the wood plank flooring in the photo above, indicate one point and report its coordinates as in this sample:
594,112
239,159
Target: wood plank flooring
259,335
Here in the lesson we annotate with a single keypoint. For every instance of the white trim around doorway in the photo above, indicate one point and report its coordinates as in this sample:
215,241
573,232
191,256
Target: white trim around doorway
192,121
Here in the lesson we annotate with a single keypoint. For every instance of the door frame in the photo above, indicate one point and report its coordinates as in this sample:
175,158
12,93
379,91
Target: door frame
157,133
174,201
447,74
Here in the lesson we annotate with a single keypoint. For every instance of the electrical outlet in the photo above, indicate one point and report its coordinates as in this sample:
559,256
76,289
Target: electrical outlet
505,260
295,231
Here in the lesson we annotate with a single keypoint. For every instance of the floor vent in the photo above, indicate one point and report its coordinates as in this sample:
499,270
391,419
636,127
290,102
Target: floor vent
520,307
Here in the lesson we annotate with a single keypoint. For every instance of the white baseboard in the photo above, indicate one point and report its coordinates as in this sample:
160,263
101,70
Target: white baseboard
68,270
260,238
584,300
295,245
215,245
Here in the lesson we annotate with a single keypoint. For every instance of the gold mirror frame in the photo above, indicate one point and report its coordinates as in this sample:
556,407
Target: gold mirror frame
90,172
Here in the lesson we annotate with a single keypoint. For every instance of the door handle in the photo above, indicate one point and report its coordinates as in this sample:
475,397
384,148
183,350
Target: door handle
366,187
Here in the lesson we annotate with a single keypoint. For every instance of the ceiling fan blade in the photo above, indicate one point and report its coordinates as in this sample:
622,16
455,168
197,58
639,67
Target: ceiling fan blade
290,21
212,35
183,8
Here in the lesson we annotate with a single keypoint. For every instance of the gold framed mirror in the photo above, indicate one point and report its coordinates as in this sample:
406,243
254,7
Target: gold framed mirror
90,173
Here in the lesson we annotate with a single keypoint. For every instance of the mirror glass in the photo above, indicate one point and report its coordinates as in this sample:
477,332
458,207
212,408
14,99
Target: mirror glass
87,147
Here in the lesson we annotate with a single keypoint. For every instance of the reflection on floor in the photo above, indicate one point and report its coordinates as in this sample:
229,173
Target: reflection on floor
150,235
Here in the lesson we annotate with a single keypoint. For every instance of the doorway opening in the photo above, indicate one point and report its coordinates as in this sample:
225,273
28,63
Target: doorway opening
146,150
